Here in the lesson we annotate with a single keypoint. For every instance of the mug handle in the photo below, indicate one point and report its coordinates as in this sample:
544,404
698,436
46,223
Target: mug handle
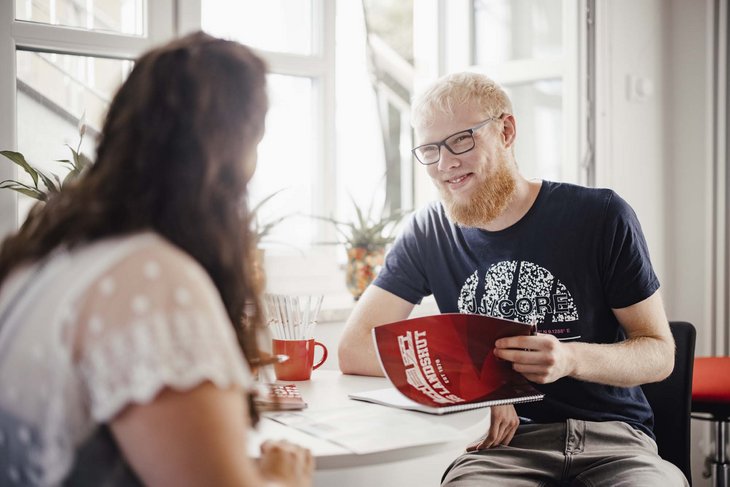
324,354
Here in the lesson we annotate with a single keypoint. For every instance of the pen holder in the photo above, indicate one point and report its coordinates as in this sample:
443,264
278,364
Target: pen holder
300,364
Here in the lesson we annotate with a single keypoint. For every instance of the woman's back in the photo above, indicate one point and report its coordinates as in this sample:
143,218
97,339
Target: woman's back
85,333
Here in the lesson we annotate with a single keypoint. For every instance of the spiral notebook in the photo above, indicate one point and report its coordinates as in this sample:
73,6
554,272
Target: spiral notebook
390,396
446,363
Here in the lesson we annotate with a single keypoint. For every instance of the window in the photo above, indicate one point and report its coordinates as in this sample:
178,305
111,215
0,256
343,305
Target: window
530,47
296,156
69,58
118,16
290,166
520,44
323,144
54,93
283,26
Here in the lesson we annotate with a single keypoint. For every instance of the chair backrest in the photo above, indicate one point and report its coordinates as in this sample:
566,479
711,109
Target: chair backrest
671,400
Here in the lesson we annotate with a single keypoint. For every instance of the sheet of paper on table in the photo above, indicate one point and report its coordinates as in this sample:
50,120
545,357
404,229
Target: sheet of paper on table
368,429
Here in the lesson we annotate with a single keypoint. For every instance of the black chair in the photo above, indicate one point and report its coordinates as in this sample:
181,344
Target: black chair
671,400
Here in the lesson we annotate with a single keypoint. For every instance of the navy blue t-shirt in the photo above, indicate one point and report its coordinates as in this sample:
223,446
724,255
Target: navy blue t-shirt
577,253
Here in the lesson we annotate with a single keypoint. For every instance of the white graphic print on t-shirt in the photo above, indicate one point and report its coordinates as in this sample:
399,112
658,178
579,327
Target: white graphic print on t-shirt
520,290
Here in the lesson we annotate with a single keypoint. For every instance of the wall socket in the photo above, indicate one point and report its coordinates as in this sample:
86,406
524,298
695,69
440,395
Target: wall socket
638,88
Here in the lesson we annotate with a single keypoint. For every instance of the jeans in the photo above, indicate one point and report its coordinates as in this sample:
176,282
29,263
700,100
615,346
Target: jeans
575,453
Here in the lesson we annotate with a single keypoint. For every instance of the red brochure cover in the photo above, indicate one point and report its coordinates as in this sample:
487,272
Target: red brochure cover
447,361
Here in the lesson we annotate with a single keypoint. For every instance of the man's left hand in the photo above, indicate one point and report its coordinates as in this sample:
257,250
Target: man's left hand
540,358
503,424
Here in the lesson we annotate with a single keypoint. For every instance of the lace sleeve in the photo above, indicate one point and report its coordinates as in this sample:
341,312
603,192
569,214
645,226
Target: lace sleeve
153,320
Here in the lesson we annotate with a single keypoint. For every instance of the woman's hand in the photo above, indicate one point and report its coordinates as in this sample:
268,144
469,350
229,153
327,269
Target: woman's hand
287,463
502,427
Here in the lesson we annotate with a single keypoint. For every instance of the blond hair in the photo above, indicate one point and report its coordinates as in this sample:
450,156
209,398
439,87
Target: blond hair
452,91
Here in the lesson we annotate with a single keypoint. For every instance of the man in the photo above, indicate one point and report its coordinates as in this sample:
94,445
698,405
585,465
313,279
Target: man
574,259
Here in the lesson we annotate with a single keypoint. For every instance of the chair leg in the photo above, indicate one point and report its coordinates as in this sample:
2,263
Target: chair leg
720,464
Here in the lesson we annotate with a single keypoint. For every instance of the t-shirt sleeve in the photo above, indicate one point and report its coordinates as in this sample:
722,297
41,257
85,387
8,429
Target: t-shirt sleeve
628,274
403,273
155,320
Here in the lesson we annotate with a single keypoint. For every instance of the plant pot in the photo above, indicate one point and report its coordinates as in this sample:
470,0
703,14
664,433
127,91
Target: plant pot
363,265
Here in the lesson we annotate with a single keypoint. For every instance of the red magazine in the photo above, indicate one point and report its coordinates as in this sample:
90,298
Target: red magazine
446,362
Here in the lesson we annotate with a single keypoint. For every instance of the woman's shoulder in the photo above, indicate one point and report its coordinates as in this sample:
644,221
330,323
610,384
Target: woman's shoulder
148,244
147,268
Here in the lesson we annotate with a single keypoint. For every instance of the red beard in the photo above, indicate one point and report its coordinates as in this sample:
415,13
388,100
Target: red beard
488,202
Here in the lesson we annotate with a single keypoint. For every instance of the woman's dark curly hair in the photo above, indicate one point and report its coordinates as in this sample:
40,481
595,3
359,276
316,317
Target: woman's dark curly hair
171,159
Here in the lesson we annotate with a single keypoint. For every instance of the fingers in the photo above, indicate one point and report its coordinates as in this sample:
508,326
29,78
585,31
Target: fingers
509,434
521,356
285,462
502,428
525,345
547,359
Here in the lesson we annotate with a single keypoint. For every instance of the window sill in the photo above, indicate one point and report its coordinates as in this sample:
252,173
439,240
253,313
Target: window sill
318,272
313,272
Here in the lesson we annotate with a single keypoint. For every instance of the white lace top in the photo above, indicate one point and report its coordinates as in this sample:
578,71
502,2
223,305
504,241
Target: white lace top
93,330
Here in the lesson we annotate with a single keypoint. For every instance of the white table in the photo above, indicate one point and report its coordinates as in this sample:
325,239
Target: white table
420,465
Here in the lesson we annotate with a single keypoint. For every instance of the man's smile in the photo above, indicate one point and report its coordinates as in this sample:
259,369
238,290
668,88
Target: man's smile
458,181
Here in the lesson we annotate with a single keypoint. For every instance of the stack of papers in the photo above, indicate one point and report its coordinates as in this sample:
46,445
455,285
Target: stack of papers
365,429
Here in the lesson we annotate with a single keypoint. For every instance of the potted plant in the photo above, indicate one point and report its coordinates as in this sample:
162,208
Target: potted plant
260,230
365,240
44,184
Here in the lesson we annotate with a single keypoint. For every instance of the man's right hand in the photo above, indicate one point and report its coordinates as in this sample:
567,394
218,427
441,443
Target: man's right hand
356,352
503,424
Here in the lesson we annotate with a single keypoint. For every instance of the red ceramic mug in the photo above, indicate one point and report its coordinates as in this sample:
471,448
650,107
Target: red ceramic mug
300,364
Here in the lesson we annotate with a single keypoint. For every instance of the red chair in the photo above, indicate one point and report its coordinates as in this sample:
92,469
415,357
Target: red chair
711,402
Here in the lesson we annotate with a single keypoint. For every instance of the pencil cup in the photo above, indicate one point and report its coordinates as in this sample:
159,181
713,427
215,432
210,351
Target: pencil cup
300,364
291,320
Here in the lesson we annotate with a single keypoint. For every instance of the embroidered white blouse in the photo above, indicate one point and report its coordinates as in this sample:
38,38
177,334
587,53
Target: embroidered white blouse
90,331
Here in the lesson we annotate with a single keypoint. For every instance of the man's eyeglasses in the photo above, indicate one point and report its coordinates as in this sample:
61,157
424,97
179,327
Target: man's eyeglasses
457,143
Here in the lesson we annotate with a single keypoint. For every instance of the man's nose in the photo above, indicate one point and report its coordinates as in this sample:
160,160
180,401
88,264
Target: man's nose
447,160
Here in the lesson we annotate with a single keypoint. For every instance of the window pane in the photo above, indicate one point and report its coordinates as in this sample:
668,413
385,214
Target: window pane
538,112
54,92
273,25
517,29
286,161
361,165
75,85
121,16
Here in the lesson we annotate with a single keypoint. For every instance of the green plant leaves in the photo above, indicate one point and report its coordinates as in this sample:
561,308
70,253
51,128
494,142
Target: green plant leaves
367,231
76,166
19,159
30,191
262,230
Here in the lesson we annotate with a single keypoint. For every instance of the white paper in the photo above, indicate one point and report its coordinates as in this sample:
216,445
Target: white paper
367,429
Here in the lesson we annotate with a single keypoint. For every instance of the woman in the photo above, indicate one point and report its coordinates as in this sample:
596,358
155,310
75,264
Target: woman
121,300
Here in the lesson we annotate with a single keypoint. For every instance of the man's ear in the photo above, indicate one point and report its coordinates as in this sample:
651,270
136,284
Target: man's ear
509,130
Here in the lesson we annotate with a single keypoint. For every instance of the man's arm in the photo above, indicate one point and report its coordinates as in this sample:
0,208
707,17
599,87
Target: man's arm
647,354
375,307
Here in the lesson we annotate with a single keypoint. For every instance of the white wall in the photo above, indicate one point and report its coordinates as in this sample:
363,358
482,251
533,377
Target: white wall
630,156
689,184
688,165
656,152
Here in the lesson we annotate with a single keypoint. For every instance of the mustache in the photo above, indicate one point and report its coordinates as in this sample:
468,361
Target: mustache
488,202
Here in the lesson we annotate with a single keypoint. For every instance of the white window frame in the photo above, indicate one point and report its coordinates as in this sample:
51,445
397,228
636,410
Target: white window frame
30,36
319,66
